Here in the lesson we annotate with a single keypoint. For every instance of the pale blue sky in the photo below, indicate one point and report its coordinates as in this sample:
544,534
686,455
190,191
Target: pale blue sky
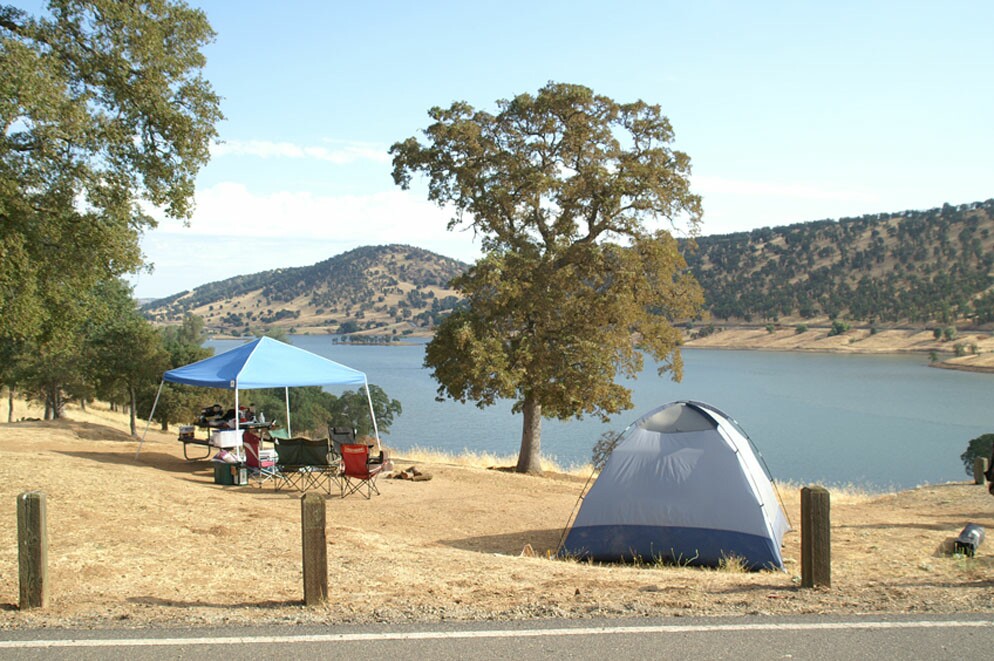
790,112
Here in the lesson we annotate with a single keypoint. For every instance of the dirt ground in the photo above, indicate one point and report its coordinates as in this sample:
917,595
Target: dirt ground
155,541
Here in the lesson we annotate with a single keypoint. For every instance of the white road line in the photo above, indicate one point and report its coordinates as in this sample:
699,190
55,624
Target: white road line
502,633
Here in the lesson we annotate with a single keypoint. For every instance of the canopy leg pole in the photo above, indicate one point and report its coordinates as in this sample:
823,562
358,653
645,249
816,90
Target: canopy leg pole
241,448
148,422
376,431
286,391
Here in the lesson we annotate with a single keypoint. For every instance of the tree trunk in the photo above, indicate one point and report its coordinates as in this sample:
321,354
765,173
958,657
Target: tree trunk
165,425
134,422
10,405
530,457
53,403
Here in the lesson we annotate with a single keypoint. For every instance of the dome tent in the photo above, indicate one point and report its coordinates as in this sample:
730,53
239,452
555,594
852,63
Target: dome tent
682,485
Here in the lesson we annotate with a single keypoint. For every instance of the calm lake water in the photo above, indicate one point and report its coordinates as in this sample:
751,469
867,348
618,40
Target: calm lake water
877,422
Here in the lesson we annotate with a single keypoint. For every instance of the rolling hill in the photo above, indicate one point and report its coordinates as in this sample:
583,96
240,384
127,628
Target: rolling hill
383,291
909,268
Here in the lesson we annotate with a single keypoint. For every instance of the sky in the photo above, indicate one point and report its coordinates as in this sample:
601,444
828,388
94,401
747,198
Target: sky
790,112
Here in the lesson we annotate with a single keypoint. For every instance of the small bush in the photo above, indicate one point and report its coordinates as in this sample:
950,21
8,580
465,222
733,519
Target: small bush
982,446
800,328
839,327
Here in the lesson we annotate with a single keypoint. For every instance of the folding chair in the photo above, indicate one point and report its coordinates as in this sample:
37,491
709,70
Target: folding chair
260,462
357,472
304,464
340,436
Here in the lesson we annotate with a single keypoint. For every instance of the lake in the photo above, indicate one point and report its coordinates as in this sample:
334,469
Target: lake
875,422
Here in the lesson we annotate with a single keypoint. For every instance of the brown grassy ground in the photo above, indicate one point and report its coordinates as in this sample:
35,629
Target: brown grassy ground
155,541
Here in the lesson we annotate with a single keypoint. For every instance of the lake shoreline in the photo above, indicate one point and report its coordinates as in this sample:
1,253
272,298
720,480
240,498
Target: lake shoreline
970,352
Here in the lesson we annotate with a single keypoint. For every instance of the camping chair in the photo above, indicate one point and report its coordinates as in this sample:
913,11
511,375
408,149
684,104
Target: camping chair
303,464
340,436
358,472
260,462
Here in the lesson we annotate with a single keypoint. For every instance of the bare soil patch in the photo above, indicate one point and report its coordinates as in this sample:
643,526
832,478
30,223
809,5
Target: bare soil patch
155,541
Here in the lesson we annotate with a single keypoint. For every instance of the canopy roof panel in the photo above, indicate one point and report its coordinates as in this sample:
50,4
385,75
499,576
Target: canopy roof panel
265,363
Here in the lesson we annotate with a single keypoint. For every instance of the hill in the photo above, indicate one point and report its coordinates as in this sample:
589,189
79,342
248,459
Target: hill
389,291
912,267
914,270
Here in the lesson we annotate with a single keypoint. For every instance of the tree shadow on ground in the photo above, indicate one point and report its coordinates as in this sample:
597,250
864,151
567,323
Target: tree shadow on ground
178,603
940,526
157,460
510,543
87,431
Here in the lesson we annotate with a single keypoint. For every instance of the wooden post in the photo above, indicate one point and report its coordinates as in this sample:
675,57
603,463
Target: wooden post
32,550
979,470
315,548
816,538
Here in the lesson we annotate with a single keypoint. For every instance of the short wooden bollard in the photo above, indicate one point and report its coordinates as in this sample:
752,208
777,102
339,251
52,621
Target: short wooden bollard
816,538
32,550
979,470
315,548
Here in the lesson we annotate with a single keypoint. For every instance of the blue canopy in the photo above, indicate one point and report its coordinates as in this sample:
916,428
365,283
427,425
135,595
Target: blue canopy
265,363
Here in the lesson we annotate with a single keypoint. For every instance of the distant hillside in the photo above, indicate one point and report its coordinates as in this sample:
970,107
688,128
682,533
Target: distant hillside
917,267
375,290
907,268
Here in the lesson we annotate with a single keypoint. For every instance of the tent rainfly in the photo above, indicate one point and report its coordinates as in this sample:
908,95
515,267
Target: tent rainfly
264,363
684,485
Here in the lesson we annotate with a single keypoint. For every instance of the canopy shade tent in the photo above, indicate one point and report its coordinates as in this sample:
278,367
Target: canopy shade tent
264,363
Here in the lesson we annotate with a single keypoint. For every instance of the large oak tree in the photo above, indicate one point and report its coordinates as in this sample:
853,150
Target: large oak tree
104,113
573,197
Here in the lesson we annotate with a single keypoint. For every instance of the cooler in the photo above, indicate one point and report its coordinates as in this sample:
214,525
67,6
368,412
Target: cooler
226,438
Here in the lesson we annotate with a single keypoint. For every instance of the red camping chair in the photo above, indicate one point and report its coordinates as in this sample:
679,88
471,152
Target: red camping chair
358,472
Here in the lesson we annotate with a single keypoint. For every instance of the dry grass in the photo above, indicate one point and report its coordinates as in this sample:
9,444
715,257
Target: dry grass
469,458
156,541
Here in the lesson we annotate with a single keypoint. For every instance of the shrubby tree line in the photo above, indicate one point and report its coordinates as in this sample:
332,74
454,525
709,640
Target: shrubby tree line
313,410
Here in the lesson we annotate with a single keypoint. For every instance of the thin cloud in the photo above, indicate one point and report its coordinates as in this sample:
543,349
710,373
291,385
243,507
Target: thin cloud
718,185
339,153
230,209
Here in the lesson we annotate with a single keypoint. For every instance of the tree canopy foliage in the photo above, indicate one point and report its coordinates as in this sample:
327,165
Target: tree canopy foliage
105,117
572,196
104,110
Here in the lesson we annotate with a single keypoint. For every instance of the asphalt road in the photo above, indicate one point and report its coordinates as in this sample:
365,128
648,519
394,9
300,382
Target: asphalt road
812,637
